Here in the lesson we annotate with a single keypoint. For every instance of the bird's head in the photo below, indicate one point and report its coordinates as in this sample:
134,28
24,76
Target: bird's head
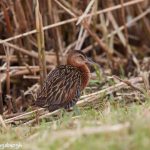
79,58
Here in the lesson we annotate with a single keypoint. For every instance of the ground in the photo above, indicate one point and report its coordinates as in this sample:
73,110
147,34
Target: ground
56,134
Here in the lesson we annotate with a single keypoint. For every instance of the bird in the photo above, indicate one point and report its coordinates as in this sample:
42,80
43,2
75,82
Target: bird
63,85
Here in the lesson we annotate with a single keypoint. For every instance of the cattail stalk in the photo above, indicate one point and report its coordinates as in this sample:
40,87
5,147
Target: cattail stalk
7,69
40,43
1,100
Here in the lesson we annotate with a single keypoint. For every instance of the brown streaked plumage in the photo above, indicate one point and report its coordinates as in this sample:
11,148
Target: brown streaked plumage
64,84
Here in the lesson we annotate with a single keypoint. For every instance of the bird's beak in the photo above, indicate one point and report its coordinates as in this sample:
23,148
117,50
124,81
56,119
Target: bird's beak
91,62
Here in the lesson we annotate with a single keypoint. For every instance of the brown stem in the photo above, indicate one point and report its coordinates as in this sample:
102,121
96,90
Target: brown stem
125,27
1,100
98,40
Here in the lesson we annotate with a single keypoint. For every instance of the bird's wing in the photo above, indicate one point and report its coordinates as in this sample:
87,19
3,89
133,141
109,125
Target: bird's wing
60,87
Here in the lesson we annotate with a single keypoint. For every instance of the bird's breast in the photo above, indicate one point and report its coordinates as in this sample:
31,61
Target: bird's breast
85,80
85,76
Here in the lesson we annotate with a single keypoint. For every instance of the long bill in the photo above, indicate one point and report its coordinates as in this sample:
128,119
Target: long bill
91,62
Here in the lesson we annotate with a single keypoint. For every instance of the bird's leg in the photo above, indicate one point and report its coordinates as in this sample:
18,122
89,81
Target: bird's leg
76,110
72,107
71,103
62,112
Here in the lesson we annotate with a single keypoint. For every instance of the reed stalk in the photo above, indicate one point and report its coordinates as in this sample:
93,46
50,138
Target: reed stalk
40,43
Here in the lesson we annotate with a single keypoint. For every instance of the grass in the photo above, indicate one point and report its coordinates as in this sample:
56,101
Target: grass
45,136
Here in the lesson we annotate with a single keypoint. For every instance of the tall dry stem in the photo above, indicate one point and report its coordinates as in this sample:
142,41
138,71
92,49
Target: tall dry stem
1,100
40,43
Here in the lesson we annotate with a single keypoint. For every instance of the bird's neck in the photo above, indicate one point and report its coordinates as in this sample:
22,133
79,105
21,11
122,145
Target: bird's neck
85,76
84,70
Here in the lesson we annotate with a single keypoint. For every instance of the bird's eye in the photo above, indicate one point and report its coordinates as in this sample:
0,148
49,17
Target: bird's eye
82,57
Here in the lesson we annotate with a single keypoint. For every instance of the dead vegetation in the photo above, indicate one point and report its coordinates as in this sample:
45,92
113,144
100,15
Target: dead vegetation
35,37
